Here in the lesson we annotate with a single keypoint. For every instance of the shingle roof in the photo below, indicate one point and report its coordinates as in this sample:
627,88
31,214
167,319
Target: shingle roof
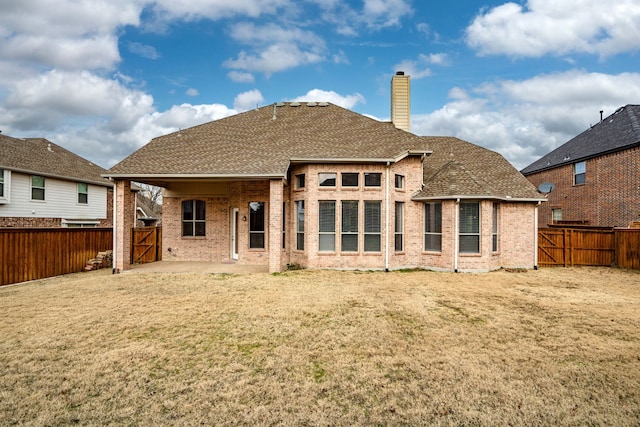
42,157
619,131
264,141
459,169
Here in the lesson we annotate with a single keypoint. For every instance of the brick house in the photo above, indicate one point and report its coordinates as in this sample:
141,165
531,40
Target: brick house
44,185
595,176
320,186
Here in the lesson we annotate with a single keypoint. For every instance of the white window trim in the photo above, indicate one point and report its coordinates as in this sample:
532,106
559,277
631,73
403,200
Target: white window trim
6,196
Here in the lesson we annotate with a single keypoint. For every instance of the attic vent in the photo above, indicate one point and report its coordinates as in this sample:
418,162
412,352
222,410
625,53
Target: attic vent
311,104
279,104
295,104
323,104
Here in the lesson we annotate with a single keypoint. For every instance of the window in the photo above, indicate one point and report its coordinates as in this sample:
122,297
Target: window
300,181
556,214
284,225
579,173
372,179
327,226
399,180
372,225
494,230
2,183
256,225
37,187
193,218
399,227
349,226
350,179
469,227
83,193
300,225
327,179
433,226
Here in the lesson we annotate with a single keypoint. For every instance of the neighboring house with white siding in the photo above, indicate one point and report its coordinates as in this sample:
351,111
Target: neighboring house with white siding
45,185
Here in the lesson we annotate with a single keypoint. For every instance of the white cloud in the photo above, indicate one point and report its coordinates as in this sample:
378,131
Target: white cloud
319,95
557,27
240,77
192,92
248,100
143,50
274,48
524,120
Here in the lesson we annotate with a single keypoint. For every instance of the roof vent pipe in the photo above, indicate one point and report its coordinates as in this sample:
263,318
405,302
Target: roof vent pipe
601,111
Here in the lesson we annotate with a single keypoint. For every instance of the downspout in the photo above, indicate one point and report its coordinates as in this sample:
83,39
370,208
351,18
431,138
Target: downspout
115,231
456,239
386,221
535,231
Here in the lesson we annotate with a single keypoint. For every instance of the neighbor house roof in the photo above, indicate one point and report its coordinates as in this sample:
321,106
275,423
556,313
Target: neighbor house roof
265,141
619,131
39,156
459,169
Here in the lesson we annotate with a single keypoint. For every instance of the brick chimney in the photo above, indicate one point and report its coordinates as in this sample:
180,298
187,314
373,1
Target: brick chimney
401,101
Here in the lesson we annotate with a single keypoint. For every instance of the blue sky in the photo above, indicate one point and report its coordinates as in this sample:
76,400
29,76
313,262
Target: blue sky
521,78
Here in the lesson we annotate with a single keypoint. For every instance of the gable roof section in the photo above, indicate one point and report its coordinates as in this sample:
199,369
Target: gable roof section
619,131
263,142
39,156
459,169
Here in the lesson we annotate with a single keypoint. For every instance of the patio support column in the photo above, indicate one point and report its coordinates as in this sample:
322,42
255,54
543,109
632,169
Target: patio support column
122,224
276,194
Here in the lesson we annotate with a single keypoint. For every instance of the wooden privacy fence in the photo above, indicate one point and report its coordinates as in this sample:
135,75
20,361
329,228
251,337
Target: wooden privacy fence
569,247
36,253
146,244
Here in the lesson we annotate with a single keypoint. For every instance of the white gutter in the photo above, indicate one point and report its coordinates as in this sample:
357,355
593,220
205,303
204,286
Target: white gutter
386,220
456,241
192,176
115,232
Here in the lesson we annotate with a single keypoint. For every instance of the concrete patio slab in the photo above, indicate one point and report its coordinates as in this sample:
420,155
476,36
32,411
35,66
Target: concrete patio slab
196,267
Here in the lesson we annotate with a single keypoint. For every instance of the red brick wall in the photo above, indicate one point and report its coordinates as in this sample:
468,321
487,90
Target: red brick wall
609,197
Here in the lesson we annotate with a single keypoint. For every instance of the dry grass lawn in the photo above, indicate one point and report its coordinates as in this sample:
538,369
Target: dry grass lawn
548,347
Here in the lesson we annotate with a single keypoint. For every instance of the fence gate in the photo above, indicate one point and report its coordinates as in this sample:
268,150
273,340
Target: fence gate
146,245
568,247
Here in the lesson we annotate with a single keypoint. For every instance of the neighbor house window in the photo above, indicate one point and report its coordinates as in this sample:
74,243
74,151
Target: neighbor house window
372,179
399,181
433,226
2,183
327,226
300,181
300,225
372,225
399,227
469,227
193,218
579,173
350,179
349,226
83,193
327,179
37,187
494,227
556,214
256,225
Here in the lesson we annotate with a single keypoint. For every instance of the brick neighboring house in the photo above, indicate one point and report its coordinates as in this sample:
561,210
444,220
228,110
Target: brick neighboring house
44,185
320,186
596,175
